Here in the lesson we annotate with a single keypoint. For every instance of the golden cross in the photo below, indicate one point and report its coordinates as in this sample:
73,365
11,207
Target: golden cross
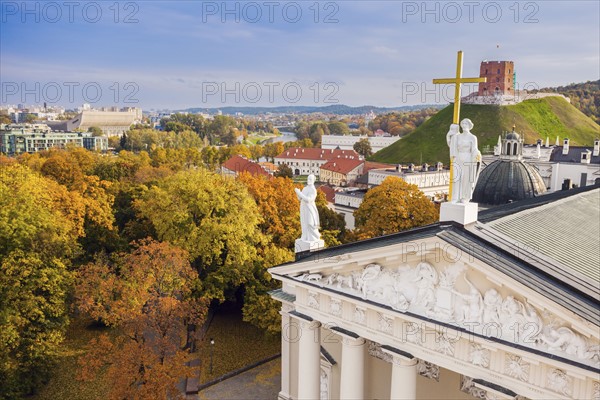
457,81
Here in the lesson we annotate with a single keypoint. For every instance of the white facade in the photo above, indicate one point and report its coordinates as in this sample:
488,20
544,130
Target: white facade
346,142
346,203
433,183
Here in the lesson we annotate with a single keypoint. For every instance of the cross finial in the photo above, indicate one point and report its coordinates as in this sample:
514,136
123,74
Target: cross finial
457,81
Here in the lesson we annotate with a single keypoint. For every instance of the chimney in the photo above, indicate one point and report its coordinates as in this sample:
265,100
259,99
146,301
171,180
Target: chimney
596,152
557,142
565,149
586,155
547,141
440,166
539,149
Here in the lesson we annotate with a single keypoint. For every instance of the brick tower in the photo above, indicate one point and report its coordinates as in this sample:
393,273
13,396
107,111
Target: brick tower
500,78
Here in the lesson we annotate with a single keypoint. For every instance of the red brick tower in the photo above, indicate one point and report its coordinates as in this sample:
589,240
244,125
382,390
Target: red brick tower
499,76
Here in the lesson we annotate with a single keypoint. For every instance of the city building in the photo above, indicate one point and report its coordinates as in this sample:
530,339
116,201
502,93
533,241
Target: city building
433,181
341,171
306,161
348,201
31,138
112,121
347,142
560,165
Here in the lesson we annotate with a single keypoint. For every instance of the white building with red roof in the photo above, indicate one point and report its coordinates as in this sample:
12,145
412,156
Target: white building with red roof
341,171
306,161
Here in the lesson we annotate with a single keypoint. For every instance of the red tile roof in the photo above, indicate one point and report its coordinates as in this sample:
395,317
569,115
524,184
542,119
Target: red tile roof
342,165
329,193
369,165
300,153
242,164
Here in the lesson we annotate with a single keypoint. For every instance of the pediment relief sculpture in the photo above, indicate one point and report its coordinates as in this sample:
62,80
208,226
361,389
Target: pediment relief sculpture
423,290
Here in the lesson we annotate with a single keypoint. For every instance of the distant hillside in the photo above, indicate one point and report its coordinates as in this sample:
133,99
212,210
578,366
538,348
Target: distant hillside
536,119
338,109
584,96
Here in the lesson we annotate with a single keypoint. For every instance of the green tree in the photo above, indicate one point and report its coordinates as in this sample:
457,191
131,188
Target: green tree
283,171
40,222
213,218
338,128
391,207
363,147
96,131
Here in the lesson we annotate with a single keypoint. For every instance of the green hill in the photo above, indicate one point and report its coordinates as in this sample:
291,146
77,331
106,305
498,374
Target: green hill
536,119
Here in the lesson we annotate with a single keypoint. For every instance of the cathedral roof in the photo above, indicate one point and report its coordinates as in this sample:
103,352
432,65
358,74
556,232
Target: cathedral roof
504,181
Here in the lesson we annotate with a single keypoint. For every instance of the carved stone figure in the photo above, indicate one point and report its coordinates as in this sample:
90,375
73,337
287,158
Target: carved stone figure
385,323
444,345
492,301
479,356
473,304
465,157
335,307
374,350
428,370
425,280
564,339
313,300
359,315
516,367
309,215
559,382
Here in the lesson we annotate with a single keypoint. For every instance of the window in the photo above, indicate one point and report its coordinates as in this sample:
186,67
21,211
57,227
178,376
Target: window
498,71
497,79
515,149
486,71
508,149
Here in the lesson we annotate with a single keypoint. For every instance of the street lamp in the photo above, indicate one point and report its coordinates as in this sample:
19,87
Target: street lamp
212,346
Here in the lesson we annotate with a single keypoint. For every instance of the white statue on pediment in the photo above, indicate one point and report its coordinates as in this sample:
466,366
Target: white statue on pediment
466,159
309,215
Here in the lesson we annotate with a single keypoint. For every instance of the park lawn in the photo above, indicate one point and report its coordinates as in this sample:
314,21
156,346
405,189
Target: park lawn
63,383
237,344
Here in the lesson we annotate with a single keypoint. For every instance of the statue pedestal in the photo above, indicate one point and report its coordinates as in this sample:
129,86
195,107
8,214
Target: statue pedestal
463,213
302,245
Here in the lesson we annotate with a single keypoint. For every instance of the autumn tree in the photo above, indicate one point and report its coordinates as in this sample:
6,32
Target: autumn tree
272,150
210,216
391,207
363,147
148,294
40,222
283,171
279,207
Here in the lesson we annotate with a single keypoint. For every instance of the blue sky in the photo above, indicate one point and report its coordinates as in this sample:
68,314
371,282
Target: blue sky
180,54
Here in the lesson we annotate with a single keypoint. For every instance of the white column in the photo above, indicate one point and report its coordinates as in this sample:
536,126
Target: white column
288,332
309,360
352,386
404,378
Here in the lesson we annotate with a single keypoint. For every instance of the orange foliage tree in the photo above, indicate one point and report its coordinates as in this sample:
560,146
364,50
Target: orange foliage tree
391,207
148,295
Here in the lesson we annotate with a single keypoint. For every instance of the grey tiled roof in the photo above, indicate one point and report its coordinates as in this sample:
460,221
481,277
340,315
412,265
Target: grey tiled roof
280,295
573,156
567,231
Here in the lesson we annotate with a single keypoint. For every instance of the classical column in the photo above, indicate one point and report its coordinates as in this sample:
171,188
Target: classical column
309,360
289,333
404,378
352,384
